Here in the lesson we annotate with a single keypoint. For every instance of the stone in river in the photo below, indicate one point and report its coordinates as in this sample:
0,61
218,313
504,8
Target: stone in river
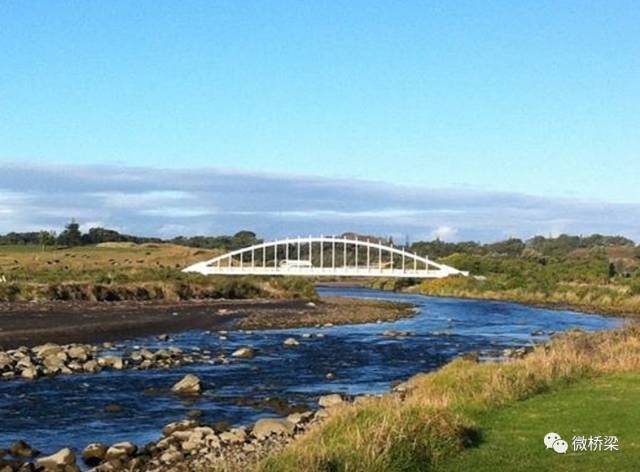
5,360
327,401
45,350
291,342
113,408
22,449
190,385
91,366
79,352
59,461
194,413
53,363
29,373
114,362
268,426
244,352
121,451
94,453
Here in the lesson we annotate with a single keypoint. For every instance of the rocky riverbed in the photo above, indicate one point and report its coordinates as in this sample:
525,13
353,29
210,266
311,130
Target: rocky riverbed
52,359
184,445
240,377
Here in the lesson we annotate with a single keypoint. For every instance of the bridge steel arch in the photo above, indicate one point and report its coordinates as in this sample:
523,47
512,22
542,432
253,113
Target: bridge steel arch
324,256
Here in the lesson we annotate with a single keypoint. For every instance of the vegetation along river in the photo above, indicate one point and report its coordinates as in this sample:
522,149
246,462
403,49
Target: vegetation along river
69,410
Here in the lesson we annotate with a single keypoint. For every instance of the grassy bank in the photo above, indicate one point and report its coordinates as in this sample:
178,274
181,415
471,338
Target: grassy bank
607,299
127,271
604,279
439,416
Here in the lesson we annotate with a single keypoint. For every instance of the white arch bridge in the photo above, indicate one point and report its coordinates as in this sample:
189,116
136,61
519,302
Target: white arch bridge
324,256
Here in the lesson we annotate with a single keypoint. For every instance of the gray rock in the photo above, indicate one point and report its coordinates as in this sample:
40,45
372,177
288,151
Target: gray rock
79,352
113,408
94,453
114,362
189,385
300,418
45,350
22,449
244,353
60,460
121,450
183,425
234,436
5,361
29,373
327,401
53,363
291,342
91,366
268,426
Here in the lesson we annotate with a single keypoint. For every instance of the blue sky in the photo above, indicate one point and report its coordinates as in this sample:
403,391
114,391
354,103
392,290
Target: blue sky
528,98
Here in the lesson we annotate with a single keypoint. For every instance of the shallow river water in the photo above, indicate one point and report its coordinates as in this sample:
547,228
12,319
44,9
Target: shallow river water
51,413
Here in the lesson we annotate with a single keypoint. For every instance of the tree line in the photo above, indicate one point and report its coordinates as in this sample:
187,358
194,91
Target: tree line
513,247
72,236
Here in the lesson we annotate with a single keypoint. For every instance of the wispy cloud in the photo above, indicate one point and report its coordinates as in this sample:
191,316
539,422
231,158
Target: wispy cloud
167,202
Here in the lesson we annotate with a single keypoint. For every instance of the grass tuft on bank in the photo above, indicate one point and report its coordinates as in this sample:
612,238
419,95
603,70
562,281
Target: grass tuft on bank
435,420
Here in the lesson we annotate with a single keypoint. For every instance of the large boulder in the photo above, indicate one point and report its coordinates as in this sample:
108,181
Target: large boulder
59,461
189,385
268,426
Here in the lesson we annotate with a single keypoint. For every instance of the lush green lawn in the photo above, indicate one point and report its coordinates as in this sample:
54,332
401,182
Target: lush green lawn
512,437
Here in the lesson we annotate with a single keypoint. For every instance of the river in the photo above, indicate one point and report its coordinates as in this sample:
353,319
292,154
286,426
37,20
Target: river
52,413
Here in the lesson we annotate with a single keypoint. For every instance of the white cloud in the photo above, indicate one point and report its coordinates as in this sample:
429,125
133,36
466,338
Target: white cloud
444,233
166,202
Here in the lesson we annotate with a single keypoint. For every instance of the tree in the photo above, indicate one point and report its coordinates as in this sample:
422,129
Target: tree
46,238
71,236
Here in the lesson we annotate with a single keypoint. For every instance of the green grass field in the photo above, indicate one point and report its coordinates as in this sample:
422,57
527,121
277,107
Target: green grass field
512,437
471,416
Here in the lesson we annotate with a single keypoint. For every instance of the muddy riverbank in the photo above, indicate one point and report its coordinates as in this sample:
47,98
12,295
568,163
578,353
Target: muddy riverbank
26,324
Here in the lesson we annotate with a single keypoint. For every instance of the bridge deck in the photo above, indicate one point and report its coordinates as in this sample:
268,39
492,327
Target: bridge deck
325,272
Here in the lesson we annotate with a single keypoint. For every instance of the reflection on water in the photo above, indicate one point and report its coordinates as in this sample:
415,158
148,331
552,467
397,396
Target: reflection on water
69,410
